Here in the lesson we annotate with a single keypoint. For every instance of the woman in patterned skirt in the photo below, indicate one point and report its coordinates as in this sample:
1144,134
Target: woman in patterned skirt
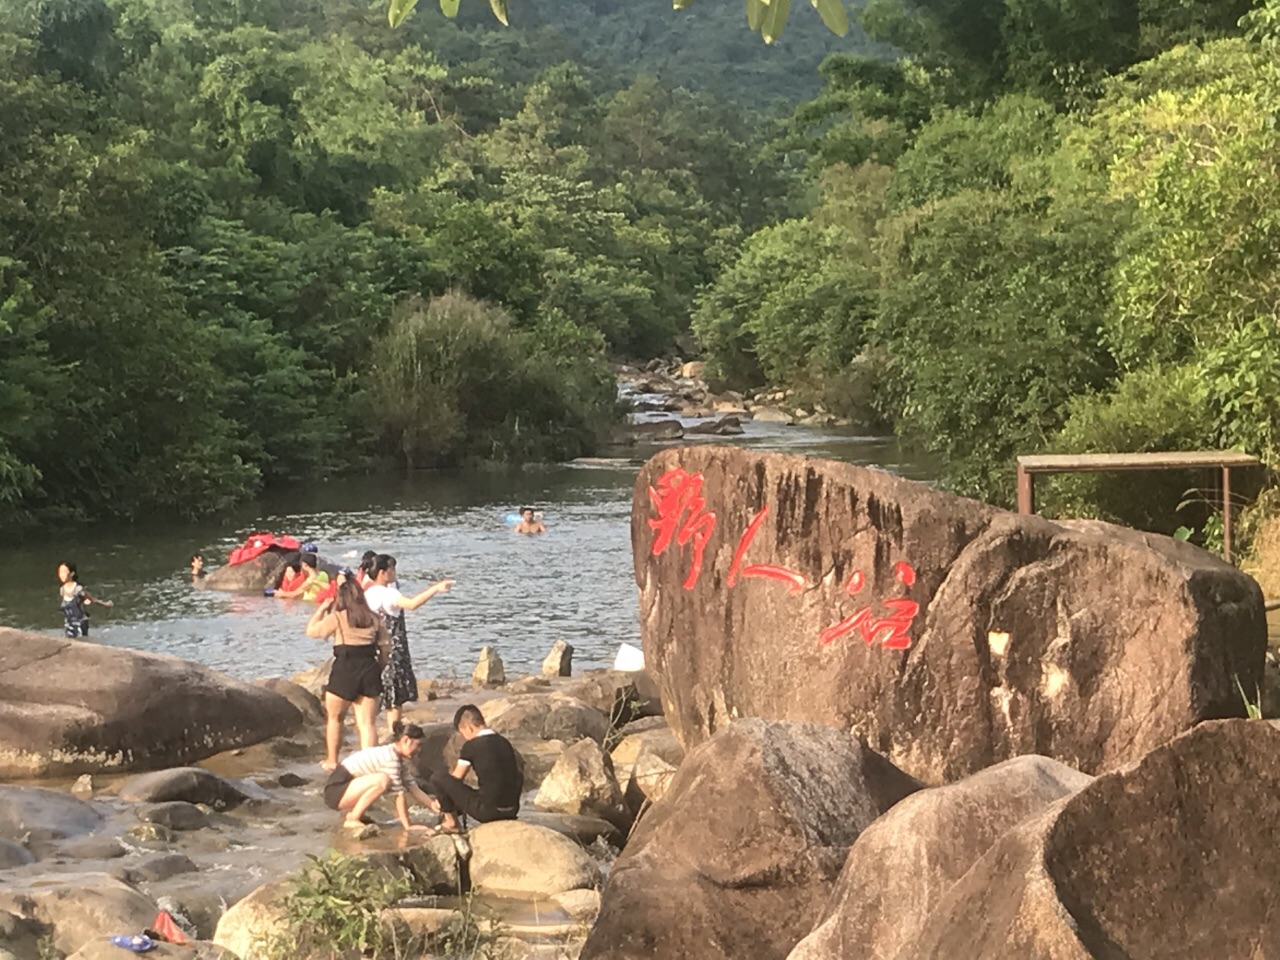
399,685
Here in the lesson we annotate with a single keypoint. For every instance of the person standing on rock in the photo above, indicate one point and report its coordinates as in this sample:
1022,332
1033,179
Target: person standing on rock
74,598
361,648
497,770
399,685
367,774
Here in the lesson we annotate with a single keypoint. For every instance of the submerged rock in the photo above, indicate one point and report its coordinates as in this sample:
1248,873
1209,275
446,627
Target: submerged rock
36,814
949,634
188,784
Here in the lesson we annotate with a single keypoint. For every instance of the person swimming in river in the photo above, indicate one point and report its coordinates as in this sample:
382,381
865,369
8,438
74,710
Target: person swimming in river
399,685
74,598
529,524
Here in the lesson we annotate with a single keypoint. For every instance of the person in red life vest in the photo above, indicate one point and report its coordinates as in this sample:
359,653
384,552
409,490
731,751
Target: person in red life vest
299,571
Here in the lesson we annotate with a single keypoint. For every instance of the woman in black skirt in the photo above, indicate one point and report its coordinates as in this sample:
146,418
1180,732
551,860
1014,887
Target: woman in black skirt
399,685
361,648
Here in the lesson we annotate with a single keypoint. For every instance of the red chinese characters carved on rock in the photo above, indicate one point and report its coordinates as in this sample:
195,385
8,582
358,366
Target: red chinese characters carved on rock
682,516
768,571
890,630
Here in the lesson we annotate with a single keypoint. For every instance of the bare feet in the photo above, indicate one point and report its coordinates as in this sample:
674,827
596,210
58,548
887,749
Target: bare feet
328,765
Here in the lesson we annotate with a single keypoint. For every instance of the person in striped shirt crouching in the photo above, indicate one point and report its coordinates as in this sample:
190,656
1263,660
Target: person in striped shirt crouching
367,774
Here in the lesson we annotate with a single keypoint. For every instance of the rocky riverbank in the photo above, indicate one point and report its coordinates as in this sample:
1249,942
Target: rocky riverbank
219,845
917,728
681,389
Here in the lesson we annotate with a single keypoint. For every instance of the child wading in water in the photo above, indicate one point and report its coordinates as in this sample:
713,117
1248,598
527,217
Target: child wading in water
74,599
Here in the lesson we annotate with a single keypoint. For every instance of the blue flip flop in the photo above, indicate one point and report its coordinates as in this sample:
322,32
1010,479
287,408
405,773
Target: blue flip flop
136,943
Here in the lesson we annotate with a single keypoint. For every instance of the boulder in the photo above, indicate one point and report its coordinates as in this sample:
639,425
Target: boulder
559,662
162,866
258,918
188,784
752,834
771,415
583,782
14,854
581,905
306,701
657,740
83,787
174,814
583,830
644,763
91,848
77,908
117,709
552,716
34,814
514,857
652,432
646,781
901,866
621,695
727,426
1159,861
252,576
313,679
948,634
489,671
693,370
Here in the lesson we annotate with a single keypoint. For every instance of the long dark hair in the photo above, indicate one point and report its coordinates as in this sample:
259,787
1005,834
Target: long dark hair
383,561
351,601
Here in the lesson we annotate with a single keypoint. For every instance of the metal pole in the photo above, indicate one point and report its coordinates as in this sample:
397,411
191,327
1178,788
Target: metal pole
1226,513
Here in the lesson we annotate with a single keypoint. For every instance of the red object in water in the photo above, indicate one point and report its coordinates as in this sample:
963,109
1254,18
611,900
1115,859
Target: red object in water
259,544
168,930
328,593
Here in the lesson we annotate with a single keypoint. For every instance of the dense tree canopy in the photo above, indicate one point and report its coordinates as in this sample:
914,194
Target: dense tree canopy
1073,245
225,228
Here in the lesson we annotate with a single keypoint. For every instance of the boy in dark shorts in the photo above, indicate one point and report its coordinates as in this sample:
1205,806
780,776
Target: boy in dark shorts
497,771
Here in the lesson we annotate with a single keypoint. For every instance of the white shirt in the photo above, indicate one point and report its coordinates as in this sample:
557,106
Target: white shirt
382,599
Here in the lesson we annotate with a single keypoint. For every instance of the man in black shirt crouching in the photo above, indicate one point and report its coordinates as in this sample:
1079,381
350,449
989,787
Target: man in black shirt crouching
497,771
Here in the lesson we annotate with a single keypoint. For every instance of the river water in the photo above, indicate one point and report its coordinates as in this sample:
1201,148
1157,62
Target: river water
518,594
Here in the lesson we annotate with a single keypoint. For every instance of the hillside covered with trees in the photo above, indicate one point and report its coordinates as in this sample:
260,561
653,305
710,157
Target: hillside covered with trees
1051,226
247,242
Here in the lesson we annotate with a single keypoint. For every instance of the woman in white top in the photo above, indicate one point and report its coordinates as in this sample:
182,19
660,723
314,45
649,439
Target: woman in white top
399,685
367,774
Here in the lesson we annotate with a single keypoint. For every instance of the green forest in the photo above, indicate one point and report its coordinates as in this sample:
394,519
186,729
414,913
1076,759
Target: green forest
245,242
1049,226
